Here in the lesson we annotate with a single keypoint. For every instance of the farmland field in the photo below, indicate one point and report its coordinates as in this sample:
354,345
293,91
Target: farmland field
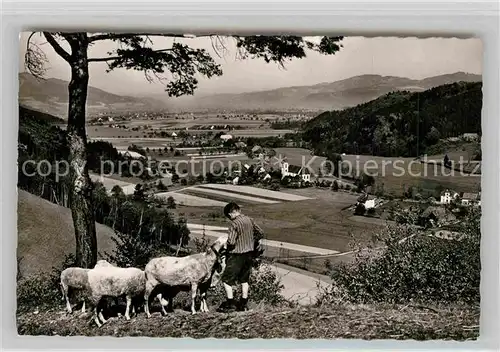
106,132
320,222
190,200
108,182
232,196
317,222
260,192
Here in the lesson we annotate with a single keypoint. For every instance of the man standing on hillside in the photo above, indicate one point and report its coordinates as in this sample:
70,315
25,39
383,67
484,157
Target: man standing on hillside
243,246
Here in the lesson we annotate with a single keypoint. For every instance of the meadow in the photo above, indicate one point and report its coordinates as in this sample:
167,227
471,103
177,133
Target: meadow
393,174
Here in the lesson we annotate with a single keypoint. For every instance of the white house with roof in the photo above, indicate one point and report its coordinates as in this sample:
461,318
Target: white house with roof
226,137
470,198
447,196
131,154
295,170
256,149
470,136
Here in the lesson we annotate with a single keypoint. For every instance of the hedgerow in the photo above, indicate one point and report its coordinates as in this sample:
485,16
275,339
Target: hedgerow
413,266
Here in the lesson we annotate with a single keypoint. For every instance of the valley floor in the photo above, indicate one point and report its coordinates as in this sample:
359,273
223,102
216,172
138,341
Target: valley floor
327,322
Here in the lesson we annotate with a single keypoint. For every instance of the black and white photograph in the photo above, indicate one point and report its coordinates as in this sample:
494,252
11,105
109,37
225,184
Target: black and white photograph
205,185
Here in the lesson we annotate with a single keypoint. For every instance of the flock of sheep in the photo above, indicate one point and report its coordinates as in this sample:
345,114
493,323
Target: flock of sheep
169,275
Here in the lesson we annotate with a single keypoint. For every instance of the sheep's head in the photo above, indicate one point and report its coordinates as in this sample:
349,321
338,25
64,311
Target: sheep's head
102,263
219,246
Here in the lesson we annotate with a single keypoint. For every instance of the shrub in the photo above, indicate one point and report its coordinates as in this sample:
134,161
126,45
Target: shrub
371,212
42,290
161,186
335,186
275,187
171,203
418,269
360,209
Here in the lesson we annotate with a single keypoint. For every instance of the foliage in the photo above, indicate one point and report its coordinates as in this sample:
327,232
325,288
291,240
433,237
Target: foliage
335,186
413,267
275,186
40,142
161,186
142,231
171,203
399,123
41,290
360,209
364,181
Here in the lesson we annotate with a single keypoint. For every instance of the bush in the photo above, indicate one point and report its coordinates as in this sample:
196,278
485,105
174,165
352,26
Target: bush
171,203
335,186
360,209
41,290
371,212
418,269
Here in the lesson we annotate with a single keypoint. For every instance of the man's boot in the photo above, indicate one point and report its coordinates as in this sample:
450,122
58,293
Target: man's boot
226,306
242,305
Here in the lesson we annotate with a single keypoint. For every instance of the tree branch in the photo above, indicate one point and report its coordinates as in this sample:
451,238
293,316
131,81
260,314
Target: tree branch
59,50
110,36
35,60
29,40
111,58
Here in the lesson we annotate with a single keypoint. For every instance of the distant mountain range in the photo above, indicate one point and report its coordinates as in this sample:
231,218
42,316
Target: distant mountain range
51,95
324,96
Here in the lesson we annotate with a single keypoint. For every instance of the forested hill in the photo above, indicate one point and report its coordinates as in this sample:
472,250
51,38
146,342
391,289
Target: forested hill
399,123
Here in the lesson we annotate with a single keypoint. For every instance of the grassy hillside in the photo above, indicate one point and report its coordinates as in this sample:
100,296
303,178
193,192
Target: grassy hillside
51,96
27,113
399,124
324,96
46,234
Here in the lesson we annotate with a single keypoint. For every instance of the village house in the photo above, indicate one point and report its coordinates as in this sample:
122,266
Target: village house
294,170
436,216
240,145
470,136
447,196
257,149
226,137
470,198
131,154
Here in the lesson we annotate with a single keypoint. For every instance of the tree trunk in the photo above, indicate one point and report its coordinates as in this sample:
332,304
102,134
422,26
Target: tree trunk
80,192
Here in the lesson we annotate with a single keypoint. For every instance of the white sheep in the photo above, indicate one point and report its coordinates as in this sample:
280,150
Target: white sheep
114,282
171,291
102,264
183,273
77,279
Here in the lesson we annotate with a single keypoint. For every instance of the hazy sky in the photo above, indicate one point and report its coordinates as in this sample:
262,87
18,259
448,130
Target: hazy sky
404,57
